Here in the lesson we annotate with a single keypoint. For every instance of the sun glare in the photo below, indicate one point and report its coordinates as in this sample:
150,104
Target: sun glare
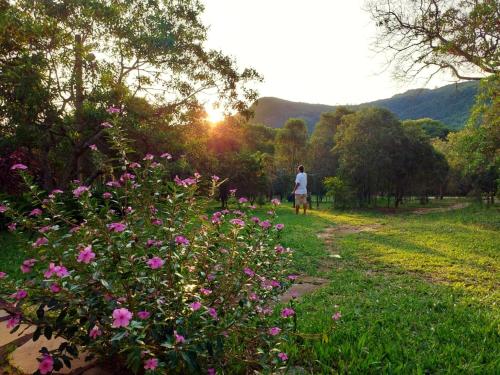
214,115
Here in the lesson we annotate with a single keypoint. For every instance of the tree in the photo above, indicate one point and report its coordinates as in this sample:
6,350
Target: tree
476,149
89,55
432,128
291,144
322,161
368,145
457,36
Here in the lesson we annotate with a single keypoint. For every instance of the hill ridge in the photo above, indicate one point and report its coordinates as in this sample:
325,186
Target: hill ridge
450,104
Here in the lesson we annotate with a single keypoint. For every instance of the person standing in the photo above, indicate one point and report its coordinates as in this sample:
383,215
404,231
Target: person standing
300,190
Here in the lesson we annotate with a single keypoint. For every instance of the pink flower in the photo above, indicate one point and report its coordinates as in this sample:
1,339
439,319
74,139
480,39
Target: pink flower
274,331
186,182
166,155
86,255
148,157
20,294
55,288
237,222
115,184
80,190
56,191
253,297
242,200
18,166
211,371
155,263
93,147
283,356
40,242
157,222
151,364
46,365
107,195
35,212
215,178
205,292
27,265
292,277
337,316
265,224
13,321
60,271
95,332
3,275
195,305
121,317
127,177
3,208
44,229
143,314
279,249
275,202
232,191
287,312
279,226
255,219
249,272
181,240
117,227
12,227
212,312
113,109
106,125
179,339
211,277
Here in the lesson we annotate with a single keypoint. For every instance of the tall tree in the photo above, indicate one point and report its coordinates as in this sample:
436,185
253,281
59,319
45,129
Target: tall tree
460,36
96,53
291,145
322,161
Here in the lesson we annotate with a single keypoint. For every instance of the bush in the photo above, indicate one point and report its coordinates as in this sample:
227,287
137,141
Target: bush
340,192
146,277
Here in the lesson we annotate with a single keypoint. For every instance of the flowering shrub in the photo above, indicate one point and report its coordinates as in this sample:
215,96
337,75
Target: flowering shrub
143,274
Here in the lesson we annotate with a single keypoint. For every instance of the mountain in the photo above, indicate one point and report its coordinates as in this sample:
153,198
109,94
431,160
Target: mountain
450,104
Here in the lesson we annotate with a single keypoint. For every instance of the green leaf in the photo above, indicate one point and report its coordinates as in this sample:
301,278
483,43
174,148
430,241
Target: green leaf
119,336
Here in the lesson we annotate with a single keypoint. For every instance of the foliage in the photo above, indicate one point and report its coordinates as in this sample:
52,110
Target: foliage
339,191
321,160
291,143
432,128
378,155
475,150
64,63
460,37
136,270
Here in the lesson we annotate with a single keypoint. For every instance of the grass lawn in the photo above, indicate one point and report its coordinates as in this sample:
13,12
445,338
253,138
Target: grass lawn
419,294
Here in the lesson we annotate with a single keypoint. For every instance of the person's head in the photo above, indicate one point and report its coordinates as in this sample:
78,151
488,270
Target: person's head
300,168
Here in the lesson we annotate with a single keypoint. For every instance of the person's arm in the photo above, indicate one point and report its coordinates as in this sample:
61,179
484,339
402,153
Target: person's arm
296,186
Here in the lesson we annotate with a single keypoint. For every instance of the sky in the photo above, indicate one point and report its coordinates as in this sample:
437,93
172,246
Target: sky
315,51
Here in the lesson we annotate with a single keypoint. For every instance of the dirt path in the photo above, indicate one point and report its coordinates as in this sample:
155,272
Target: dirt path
423,210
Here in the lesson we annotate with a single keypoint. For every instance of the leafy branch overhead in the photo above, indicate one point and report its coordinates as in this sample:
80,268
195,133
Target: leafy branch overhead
460,37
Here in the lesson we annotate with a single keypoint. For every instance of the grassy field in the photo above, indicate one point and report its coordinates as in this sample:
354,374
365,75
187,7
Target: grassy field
418,293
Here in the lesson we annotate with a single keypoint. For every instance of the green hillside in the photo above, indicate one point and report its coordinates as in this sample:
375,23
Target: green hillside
449,104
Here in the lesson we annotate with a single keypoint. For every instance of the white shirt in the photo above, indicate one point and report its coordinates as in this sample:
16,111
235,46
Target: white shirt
301,179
